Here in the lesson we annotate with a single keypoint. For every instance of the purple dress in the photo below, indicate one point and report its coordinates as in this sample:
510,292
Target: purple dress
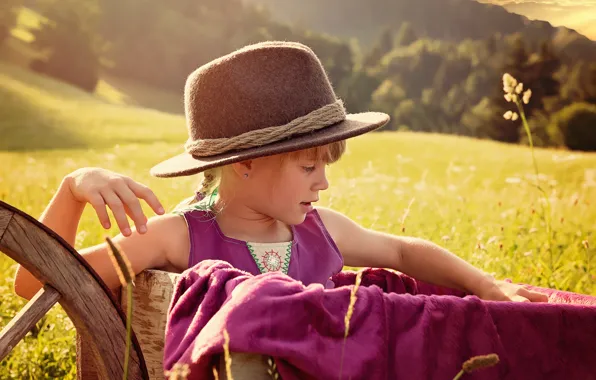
312,256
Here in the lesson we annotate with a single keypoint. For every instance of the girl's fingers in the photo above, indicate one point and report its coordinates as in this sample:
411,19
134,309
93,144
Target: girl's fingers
117,207
518,298
532,295
98,203
144,192
132,206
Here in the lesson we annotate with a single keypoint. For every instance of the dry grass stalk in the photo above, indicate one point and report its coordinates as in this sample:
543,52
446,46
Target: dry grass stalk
121,263
227,356
477,362
352,303
178,372
272,370
126,276
348,316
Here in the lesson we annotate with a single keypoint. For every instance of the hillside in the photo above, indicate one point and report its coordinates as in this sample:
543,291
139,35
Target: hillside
578,15
38,112
454,20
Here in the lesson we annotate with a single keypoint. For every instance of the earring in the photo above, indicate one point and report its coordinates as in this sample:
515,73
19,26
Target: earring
245,175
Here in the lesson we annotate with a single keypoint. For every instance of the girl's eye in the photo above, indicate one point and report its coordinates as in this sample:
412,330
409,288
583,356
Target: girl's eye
308,169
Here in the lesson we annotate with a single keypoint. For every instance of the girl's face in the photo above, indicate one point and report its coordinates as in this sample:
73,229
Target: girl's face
287,189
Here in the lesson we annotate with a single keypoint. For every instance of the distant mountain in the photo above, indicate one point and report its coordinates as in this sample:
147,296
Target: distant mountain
577,14
454,20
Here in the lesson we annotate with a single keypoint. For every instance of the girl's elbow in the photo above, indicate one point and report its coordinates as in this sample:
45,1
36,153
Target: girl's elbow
25,285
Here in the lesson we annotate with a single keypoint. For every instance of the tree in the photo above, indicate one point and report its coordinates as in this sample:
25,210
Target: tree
540,77
578,84
383,46
577,125
70,42
406,35
8,17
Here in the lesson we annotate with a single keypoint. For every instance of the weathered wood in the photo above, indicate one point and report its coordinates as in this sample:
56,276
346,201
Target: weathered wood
86,367
151,298
245,366
24,321
152,295
5,216
83,296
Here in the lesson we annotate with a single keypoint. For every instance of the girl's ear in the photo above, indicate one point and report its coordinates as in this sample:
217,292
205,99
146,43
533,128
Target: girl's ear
242,168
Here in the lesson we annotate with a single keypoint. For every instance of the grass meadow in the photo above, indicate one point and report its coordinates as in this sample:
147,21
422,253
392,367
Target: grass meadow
475,198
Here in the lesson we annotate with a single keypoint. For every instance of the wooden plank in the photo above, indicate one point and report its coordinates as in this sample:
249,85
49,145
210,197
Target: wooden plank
84,297
24,321
245,366
152,295
151,298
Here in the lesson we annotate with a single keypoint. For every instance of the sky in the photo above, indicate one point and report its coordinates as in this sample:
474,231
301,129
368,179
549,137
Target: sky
575,14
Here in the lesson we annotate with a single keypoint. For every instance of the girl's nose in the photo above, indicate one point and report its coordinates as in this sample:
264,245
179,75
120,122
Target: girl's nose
322,183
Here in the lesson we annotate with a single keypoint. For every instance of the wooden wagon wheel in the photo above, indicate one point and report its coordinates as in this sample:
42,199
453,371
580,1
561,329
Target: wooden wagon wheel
70,281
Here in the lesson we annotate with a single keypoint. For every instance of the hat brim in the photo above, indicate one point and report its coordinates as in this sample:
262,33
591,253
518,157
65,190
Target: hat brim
354,125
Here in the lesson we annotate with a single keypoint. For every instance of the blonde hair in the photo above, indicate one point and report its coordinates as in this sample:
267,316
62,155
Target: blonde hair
329,154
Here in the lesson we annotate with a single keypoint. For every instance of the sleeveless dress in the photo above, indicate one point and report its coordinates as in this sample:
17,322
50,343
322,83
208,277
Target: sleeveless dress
311,256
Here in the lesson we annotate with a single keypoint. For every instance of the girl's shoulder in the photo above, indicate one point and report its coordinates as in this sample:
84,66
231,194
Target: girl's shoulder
174,235
333,221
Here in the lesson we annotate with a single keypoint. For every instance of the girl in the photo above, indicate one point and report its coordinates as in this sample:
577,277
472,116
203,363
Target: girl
263,123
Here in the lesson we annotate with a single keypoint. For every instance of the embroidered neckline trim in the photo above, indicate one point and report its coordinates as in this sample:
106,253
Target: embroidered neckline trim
270,260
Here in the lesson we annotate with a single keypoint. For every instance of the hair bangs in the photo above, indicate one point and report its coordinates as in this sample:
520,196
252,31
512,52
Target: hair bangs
329,153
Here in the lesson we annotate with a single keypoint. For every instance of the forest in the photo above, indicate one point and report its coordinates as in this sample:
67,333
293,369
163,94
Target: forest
433,66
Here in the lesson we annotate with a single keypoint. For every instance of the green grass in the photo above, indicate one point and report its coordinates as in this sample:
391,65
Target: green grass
470,196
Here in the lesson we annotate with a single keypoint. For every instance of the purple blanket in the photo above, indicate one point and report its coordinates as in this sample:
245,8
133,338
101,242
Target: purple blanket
400,328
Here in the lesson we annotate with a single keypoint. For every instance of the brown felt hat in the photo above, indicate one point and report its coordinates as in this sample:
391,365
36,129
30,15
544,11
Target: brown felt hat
264,99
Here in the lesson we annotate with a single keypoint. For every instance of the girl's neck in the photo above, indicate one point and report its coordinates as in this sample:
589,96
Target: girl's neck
237,220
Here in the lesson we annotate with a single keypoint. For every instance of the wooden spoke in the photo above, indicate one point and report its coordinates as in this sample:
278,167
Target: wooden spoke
18,327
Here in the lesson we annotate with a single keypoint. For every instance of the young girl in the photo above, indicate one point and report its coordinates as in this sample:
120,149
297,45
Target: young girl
263,123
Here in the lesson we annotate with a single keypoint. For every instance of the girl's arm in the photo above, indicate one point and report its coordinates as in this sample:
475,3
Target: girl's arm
418,258
147,250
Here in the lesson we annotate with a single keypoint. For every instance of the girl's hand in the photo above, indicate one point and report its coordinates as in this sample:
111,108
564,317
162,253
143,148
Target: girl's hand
100,187
505,291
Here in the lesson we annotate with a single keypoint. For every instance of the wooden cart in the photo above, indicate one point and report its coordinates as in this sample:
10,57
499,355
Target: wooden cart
95,311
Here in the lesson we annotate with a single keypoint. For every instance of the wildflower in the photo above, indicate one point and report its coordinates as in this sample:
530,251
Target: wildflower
508,115
519,88
509,83
514,116
508,97
506,82
506,78
527,96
